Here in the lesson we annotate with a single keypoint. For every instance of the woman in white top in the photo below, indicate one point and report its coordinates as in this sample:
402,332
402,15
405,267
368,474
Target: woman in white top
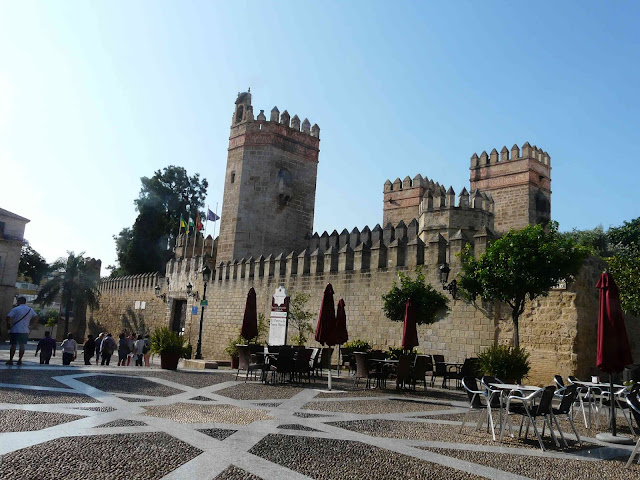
69,347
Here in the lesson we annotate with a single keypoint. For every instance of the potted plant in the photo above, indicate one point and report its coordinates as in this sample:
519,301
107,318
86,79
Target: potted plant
509,364
169,345
232,349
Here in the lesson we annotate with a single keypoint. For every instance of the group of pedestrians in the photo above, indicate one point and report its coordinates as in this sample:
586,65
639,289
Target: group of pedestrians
128,347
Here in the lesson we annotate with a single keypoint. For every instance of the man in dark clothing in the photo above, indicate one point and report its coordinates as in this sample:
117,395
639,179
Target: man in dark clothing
46,346
89,349
107,348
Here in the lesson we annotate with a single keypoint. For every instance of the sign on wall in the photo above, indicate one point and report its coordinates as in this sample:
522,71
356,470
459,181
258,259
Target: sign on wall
279,317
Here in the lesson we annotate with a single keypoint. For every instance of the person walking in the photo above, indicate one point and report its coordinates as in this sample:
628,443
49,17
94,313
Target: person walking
107,347
46,346
89,349
147,350
131,342
99,346
139,350
123,350
18,323
69,350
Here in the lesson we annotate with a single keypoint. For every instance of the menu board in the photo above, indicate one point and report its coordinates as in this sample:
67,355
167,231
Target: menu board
278,321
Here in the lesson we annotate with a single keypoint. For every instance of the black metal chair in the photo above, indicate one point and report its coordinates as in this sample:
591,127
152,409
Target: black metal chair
439,369
569,395
526,407
284,365
302,365
421,367
248,362
363,370
468,369
323,360
403,372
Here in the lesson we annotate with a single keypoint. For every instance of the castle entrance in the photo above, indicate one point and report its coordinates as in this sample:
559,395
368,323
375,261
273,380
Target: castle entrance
179,316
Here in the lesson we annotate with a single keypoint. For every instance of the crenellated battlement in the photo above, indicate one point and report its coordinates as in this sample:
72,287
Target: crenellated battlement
144,281
505,155
440,199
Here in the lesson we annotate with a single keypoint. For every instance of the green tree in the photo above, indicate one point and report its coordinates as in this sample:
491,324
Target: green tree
596,240
165,197
32,265
624,263
300,317
74,283
426,301
522,265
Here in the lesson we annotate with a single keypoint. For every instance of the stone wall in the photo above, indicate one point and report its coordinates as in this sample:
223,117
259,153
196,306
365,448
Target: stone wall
11,240
118,301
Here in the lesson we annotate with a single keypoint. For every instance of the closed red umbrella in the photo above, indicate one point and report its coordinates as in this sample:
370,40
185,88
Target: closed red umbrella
613,352
327,318
250,320
326,322
409,332
340,333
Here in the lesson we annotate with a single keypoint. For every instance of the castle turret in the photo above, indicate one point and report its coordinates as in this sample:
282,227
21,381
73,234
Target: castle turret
270,184
519,185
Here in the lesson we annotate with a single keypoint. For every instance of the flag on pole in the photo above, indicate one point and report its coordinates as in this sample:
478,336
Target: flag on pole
199,225
212,216
183,224
191,224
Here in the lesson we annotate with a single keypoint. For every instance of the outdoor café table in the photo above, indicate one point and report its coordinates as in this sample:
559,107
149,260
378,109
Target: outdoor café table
591,395
506,389
382,363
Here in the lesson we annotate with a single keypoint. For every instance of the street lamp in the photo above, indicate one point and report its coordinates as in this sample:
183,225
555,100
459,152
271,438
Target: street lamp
452,287
206,273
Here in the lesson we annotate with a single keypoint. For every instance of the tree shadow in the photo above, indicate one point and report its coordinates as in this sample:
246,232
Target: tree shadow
95,328
134,322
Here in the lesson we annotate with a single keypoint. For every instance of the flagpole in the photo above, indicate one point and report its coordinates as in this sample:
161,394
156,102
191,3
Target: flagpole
214,230
206,220
186,244
195,239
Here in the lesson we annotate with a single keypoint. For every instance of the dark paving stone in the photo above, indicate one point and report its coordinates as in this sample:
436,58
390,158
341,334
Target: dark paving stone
235,473
19,396
309,456
297,426
28,421
259,391
190,379
130,385
40,378
311,415
135,400
98,409
219,433
123,423
268,404
147,456
200,398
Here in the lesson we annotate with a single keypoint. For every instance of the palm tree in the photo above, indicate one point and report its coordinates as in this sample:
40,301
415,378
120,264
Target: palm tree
75,284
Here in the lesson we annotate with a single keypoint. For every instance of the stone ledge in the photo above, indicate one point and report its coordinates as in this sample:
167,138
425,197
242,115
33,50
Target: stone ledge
200,364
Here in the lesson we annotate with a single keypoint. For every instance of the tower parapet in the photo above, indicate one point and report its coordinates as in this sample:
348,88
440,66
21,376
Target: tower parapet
270,184
402,198
519,182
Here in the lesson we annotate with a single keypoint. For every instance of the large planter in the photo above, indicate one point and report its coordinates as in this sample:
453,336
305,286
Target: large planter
169,361
234,362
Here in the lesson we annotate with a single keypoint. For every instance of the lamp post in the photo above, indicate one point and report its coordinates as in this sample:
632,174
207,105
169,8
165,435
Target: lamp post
452,287
206,272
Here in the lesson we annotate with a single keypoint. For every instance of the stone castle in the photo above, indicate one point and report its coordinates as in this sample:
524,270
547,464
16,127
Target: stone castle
266,240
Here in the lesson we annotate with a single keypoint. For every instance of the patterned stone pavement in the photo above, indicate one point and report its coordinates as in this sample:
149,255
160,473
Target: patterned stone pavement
145,423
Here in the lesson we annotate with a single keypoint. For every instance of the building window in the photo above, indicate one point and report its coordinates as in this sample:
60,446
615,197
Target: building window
1,229
232,179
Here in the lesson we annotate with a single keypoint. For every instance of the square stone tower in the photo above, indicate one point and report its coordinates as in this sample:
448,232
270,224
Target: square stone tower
519,184
270,183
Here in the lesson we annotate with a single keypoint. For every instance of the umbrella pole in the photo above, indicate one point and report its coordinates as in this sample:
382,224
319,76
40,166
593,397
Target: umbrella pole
612,406
338,360
329,375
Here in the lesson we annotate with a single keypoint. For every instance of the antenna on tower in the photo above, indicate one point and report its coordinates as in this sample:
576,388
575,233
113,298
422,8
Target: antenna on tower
249,90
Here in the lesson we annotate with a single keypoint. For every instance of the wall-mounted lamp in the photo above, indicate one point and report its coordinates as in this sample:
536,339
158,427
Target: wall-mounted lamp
191,293
163,296
452,287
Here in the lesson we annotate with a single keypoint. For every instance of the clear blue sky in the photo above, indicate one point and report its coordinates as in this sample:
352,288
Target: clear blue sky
94,95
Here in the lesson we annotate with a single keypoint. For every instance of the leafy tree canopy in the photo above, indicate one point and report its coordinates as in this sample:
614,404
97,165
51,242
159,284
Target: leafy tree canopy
300,317
32,265
523,264
164,197
427,301
620,248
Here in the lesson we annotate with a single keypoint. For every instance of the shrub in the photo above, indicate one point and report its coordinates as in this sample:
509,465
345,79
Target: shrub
509,364
232,349
164,340
357,345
